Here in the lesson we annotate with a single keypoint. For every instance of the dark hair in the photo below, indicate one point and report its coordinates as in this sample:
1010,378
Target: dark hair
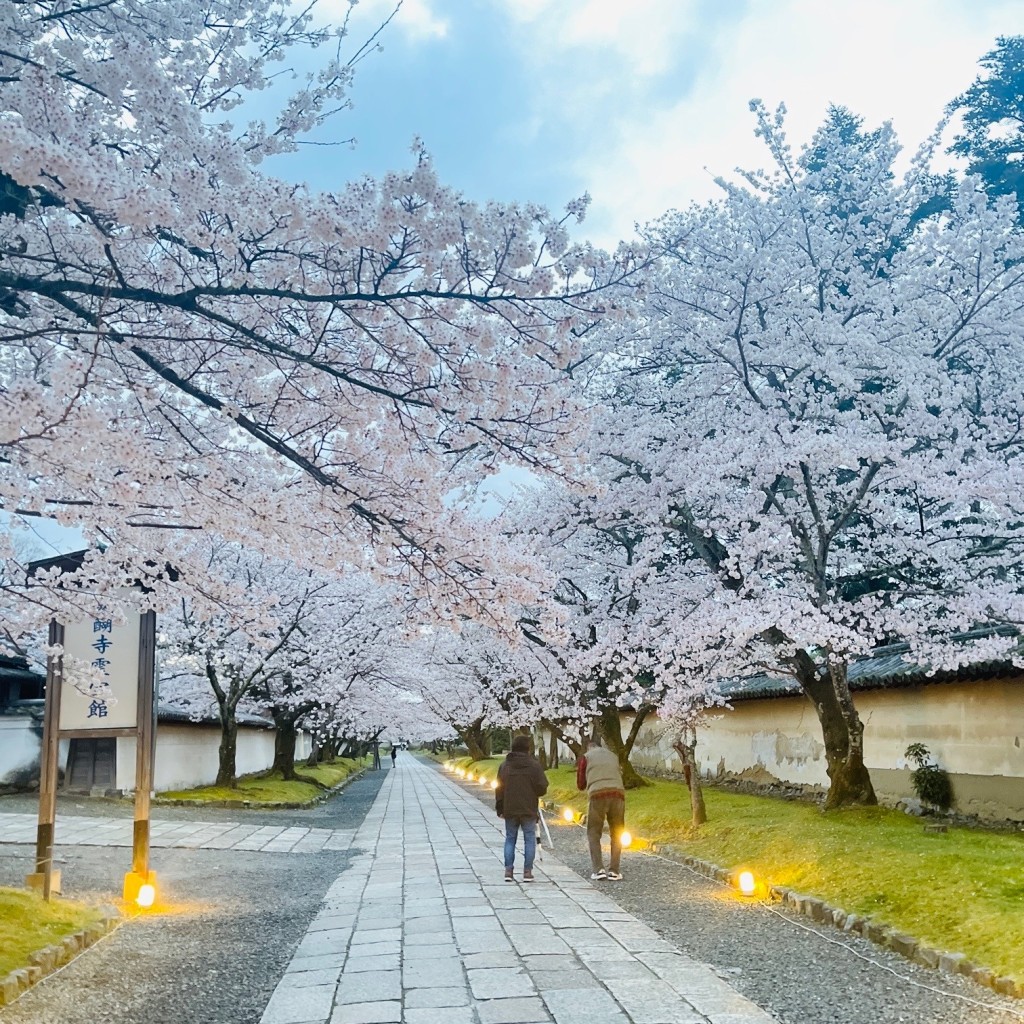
521,745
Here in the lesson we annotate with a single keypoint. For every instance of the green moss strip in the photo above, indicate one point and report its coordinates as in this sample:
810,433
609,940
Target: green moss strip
27,924
960,890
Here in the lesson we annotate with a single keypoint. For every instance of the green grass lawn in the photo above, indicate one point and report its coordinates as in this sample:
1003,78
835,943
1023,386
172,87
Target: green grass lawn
263,790
962,890
28,924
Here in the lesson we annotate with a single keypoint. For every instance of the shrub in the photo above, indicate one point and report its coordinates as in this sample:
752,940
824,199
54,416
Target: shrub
931,783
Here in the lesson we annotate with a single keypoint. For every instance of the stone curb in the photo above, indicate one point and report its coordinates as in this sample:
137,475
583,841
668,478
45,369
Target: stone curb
257,805
882,935
48,959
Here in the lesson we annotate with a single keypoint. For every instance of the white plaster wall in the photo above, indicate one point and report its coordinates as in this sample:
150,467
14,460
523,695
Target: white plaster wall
973,730
19,746
187,755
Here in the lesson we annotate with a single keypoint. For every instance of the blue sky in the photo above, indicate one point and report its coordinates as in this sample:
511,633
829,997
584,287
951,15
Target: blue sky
639,102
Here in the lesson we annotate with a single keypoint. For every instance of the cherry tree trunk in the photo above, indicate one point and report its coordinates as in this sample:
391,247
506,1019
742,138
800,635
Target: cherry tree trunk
477,739
842,731
611,732
227,754
553,752
686,747
285,735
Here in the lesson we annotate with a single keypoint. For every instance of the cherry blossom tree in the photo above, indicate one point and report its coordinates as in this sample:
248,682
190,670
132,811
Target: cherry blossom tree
817,423
608,623
277,640
189,342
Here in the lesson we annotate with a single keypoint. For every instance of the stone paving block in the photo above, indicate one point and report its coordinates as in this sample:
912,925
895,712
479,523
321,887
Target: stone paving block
575,1006
379,1012
527,1010
536,939
327,961
304,979
375,949
331,922
592,955
363,936
439,951
441,1015
318,943
506,959
566,979
299,1005
432,974
431,925
369,986
652,1002
480,943
362,964
471,911
420,998
497,982
627,969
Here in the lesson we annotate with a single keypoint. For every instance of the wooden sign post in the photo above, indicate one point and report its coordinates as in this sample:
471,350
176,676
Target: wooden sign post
102,685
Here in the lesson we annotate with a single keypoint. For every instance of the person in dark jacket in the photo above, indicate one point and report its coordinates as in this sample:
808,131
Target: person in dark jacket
521,784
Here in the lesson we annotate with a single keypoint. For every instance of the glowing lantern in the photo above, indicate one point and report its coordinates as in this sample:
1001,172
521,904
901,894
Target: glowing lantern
746,883
626,838
147,896
494,783
471,777
569,814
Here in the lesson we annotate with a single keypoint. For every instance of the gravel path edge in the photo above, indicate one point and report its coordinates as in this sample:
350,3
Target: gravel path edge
876,932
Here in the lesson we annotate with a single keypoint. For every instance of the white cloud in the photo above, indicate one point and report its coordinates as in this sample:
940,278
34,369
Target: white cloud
416,20
641,150
641,33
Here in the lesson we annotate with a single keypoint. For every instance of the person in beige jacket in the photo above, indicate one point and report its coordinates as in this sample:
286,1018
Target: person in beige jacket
598,773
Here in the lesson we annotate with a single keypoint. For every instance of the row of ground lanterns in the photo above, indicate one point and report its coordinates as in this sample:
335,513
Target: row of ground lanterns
746,884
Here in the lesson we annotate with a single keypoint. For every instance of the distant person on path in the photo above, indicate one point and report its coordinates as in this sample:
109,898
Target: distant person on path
521,784
394,754
598,773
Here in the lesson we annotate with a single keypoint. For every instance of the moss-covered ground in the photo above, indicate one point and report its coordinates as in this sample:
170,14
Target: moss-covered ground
27,924
960,890
264,790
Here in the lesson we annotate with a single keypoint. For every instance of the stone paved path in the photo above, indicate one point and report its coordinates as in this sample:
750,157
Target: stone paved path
422,929
190,835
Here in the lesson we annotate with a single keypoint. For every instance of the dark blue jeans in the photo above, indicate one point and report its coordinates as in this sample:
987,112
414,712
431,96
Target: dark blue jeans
512,827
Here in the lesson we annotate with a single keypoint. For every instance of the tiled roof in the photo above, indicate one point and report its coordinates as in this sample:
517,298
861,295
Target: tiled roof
885,668
169,713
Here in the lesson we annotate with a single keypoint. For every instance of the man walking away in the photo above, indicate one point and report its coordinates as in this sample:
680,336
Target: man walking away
521,784
598,773
394,754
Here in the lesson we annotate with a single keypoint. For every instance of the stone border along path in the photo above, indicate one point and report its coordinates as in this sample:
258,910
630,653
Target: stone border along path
422,929
189,835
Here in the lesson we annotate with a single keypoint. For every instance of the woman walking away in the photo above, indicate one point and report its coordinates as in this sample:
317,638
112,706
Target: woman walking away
521,784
